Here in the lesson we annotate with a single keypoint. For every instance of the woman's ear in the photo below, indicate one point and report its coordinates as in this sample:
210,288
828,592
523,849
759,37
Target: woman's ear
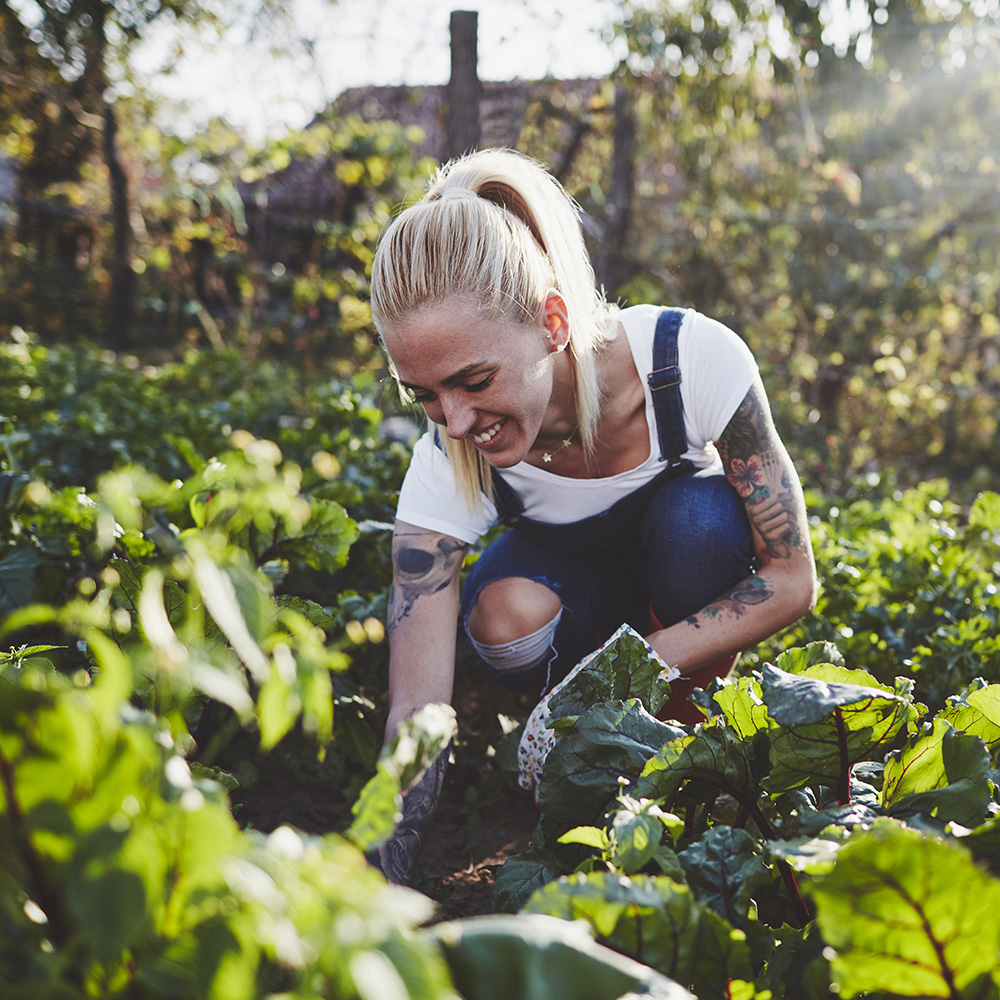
555,321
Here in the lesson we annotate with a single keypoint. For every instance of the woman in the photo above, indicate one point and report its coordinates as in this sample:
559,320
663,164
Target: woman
632,452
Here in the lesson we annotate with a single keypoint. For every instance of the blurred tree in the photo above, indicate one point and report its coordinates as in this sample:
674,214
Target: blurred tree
833,193
75,220
61,53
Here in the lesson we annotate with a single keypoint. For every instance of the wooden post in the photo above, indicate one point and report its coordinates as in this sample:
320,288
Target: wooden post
464,91
121,306
613,264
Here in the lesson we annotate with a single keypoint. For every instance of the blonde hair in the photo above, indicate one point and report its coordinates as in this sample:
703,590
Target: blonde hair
494,226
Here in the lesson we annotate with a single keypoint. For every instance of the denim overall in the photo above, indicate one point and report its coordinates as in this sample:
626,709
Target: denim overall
670,548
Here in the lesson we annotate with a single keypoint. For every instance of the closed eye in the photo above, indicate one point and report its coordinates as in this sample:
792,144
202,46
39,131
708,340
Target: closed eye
420,396
480,386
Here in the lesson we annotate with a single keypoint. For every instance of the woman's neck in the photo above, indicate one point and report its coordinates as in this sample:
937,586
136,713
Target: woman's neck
561,418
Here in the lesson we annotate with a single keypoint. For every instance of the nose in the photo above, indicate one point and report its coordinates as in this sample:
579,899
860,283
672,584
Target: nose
459,416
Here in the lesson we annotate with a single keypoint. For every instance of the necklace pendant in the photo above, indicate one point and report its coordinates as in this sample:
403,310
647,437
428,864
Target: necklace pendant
547,455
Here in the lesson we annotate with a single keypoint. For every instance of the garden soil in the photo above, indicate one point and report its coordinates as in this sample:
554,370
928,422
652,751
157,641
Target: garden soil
483,816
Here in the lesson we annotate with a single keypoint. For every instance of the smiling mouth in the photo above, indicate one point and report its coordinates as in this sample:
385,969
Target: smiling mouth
487,435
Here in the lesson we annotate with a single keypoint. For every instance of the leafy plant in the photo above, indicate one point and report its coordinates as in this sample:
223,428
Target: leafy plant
909,588
726,854
126,875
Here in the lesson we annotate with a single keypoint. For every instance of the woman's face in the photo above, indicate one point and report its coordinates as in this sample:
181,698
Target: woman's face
487,381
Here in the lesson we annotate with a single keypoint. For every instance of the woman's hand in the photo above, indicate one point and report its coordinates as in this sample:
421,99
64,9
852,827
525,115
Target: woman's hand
398,857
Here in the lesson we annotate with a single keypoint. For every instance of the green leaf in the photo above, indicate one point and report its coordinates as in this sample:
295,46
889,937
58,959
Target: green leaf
798,958
638,827
419,740
907,914
800,658
522,874
589,836
623,670
222,598
114,683
813,693
713,755
325,539
656,921
939,771
581,773
977,712
985,513
814,855
983,842
278,706
314,613
17,578
537,957
823,726
846,817
742,705
110,909
724,870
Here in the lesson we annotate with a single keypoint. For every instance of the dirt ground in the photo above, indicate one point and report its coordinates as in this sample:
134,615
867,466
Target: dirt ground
460,860
482,818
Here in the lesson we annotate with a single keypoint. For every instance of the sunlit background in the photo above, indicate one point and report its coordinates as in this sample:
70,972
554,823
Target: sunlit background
280,67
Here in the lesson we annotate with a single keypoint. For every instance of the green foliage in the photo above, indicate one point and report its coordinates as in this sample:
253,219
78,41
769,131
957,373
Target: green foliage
908,588
536,958
697,848
266,250
70,414
622,671
126,875
419,739
910,916
781,186
656,920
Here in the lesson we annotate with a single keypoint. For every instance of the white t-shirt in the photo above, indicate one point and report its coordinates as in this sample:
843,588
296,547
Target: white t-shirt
717,370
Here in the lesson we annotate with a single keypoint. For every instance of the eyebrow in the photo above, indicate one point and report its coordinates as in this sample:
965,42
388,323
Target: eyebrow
463,373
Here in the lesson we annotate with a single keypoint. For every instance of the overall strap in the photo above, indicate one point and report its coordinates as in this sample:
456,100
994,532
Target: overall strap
665,384
507,502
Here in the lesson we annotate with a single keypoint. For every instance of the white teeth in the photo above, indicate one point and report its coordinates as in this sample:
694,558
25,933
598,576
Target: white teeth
487,435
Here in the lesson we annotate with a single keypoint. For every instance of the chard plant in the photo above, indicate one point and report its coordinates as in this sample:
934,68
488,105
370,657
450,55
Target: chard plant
819,832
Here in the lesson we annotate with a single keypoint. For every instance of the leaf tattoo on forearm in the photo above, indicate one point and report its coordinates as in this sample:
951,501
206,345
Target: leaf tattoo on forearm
398,857
752,590
424,563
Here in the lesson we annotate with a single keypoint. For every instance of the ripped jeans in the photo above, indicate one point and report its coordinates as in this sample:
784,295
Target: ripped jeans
688,546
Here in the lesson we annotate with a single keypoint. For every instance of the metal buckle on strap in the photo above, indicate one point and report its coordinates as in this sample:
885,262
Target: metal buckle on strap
667,382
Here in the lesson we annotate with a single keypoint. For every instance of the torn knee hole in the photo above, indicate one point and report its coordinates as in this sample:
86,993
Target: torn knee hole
520,653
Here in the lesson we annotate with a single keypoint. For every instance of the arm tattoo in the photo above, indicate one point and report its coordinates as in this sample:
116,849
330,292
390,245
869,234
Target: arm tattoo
756,469
425,563
398,857
752,590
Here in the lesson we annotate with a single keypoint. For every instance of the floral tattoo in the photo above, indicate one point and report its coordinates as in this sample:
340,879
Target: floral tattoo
754,465
398,857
